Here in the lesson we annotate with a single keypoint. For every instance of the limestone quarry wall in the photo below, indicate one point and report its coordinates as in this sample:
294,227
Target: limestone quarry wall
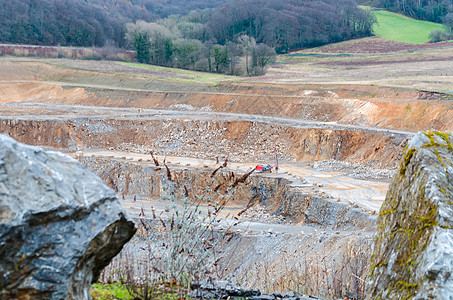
145,181
330,258
240,140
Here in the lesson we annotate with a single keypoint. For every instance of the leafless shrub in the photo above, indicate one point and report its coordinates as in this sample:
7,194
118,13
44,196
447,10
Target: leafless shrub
168,173
225,164
156,162
242,178
216,170
174,247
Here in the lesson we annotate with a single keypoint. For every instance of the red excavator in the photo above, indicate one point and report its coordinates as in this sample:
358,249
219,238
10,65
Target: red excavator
264,169
268,168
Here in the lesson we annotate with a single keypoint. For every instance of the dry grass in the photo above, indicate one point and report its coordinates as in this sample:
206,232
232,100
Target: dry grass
317,274
369,61
424,69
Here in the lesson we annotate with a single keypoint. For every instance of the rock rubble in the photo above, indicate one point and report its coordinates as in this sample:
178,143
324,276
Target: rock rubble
222,289
353,170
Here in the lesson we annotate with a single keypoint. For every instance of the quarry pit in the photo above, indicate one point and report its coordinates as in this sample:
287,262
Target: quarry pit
308,227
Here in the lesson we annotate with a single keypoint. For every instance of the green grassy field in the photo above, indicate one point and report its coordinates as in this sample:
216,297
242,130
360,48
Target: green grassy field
400,28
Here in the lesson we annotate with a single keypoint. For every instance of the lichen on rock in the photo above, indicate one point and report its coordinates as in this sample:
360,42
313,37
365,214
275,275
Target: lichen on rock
413,250
60,225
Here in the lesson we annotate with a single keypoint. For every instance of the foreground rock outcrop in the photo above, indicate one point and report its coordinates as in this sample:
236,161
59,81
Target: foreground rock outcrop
413,252
59,224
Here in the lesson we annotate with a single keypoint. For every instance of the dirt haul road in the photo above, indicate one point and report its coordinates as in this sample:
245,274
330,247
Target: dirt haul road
67,112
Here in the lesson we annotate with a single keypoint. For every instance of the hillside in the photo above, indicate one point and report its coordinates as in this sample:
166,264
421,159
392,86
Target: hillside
283,25
400,28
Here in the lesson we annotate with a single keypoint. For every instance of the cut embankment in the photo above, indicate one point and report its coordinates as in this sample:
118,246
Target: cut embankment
241,141
385,107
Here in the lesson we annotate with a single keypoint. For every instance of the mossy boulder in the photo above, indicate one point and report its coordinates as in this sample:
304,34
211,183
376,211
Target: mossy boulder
413,251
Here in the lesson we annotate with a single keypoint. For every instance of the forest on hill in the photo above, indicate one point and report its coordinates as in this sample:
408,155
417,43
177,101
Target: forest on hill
193,34
214,40
286,24
84,22
291,24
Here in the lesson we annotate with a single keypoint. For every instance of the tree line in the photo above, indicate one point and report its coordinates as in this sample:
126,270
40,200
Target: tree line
172,43
291,24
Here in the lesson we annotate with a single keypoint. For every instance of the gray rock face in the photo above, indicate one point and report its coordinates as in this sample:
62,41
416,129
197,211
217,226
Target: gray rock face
413,251
59,224
220,290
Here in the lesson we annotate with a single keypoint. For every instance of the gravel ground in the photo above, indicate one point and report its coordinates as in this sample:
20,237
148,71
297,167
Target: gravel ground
351,170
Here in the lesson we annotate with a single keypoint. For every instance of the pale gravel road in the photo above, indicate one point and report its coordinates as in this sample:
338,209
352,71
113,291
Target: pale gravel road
24,111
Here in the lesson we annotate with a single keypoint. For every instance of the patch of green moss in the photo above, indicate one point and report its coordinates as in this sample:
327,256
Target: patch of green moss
406,160
445,137
101,291
407,108
444,192
429,221
387,211
432,142
408,288
114,291
381,264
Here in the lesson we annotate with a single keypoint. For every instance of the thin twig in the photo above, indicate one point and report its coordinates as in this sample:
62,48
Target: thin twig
358,278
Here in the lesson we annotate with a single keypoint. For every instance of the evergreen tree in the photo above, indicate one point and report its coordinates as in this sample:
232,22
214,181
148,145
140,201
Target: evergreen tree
142,46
